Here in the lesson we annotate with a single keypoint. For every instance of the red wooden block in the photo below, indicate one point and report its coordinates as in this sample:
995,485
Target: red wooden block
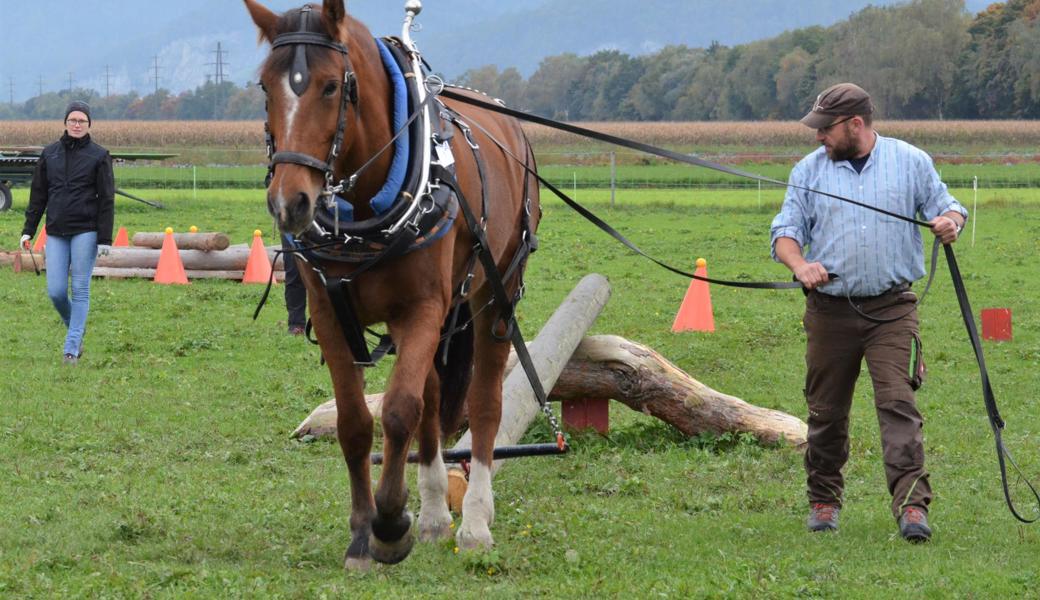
587,413
996,324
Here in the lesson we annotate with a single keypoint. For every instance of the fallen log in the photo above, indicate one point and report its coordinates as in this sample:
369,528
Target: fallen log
185,241
612,367
232,259
134,273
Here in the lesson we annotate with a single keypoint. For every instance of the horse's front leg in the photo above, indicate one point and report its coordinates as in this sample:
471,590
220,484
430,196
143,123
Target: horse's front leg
353,424
415,335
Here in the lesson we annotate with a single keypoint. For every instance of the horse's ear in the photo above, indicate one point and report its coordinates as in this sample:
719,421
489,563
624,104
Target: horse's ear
266,21
334,13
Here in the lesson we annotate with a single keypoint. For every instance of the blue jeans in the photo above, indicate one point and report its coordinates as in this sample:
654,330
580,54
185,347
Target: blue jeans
78,254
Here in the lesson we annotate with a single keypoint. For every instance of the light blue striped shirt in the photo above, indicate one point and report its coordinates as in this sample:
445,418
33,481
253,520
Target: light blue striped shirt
870,252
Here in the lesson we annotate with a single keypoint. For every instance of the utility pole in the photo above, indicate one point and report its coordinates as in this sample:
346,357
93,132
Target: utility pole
155,67
10,82
108,80
219,65
41,85
70,83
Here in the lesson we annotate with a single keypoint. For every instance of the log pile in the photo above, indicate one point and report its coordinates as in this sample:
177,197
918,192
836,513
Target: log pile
205,256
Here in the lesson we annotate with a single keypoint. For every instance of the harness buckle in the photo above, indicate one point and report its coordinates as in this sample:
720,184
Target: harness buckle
464,288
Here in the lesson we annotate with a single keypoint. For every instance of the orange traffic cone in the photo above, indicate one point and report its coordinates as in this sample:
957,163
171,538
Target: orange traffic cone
170,268
695,313
41,242
258,267
121,238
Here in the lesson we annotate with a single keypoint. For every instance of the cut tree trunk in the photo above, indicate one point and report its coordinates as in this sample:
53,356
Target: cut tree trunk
184,241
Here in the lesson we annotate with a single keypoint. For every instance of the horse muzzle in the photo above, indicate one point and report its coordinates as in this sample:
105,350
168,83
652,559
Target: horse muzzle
294,211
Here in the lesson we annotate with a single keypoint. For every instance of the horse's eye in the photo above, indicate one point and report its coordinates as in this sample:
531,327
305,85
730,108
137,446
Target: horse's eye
263,88
330,89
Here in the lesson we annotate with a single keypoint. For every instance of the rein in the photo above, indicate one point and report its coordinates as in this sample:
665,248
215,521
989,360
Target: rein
989,399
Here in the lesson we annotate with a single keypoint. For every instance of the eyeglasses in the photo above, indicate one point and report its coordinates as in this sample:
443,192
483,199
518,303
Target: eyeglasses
827,129
77,121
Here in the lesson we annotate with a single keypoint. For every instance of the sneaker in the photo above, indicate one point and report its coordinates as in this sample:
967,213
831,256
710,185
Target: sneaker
823,517
296,330
913,525
70,359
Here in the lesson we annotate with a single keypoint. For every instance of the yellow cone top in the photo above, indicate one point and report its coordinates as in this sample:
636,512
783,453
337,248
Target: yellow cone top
169,230
193,229
701,262
256,233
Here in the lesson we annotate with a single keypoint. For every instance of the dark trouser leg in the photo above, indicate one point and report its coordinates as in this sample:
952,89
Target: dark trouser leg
833,356
902,441
295,293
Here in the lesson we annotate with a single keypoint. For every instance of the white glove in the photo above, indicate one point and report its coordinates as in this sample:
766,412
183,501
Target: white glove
24,242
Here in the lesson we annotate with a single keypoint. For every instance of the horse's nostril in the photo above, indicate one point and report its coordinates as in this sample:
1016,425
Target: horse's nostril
300,208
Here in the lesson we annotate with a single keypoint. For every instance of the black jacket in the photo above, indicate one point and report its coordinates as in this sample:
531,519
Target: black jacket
73,182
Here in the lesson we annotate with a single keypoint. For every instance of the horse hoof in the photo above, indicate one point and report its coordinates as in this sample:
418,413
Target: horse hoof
399,540
357,564
474,538
434,532
390,553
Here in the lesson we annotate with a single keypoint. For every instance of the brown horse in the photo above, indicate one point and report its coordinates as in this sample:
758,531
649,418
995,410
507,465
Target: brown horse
413,293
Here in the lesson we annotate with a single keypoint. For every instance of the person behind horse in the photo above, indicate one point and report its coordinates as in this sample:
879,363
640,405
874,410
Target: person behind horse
295,292
74,184
876,259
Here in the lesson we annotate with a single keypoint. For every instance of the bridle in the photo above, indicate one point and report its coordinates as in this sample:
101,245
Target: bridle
298,81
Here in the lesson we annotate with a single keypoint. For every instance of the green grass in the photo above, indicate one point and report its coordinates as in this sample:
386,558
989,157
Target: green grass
161,465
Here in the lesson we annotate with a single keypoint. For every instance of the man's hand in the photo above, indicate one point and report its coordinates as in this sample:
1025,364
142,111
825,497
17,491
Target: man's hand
946,228
24,242
811,275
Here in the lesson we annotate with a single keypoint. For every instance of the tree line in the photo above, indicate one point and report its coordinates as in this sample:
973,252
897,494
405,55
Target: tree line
926,59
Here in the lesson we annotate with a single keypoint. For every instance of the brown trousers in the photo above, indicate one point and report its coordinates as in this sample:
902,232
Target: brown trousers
838,340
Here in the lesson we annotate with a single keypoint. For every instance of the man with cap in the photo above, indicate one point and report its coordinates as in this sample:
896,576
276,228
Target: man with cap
73,183
868,310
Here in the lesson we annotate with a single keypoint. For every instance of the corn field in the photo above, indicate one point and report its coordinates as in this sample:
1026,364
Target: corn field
992,136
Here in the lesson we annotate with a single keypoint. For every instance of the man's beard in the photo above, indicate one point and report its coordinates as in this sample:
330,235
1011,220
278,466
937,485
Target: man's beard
846,150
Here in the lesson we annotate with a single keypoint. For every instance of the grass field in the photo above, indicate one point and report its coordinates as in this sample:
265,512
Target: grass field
161,466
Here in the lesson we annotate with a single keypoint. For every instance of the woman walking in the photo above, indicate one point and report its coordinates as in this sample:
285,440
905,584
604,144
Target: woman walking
74,184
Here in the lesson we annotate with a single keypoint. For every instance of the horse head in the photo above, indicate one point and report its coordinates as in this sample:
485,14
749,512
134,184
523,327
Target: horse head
313,111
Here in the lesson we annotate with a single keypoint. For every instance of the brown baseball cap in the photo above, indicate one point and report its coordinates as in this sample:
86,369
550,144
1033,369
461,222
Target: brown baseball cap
841,100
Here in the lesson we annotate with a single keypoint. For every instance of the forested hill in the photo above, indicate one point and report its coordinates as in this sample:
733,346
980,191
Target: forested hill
521,38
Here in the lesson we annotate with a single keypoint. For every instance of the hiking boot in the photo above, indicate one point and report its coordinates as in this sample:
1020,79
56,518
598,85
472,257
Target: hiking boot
70,359
913,525
823,517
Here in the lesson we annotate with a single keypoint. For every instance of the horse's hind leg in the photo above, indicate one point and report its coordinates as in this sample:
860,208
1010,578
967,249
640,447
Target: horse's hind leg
434,518
416,336
484,404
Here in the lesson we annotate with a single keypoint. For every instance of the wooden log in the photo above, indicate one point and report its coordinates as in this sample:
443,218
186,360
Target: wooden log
613,367
232,259
133,272
185,241
608,366
550,351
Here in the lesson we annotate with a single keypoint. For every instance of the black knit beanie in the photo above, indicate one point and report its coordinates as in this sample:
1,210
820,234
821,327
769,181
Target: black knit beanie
79,105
